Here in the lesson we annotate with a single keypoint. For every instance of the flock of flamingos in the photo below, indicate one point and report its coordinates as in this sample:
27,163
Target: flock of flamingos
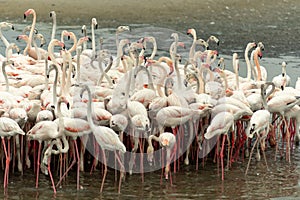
55,103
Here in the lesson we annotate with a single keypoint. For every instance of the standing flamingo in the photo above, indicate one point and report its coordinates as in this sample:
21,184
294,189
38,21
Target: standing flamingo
221,124
166,140
106,138
8,128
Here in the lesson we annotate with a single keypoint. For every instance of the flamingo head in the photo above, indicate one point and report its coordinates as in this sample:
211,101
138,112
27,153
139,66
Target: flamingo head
94,23
28,12
121,29
52,14
191,31
150,151
22,37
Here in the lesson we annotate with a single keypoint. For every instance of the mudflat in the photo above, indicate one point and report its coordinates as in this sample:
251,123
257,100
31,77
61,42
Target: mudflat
236,22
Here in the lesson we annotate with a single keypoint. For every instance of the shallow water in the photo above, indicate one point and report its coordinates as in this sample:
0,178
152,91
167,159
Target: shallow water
280,182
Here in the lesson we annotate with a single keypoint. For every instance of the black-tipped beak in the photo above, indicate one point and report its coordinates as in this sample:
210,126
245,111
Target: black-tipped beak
283,74
41,45
185,83
17,38
207,48
64,47
69,37
218,43
96,26
89,39
68,105
24,16
13,28
260,56
50,14
281,87
48,76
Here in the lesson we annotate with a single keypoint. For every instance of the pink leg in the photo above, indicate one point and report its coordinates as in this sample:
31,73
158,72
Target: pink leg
121,172
222,156
78,164
69,168
6,156
50,174
105,171
38,165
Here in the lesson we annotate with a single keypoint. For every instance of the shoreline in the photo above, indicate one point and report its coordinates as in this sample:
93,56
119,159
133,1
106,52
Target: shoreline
235,22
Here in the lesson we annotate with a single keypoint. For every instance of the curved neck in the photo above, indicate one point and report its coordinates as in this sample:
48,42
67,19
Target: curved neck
54,67
120,51
265,95
73,48
6,43
150,80
150,138
31,31
193,47
154,50
4,63
89,107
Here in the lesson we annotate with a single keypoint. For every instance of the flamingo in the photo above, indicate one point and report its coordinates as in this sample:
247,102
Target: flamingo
74,128
260,123
221,124
166,140
106,138
44,131
8,128
259,72
282,80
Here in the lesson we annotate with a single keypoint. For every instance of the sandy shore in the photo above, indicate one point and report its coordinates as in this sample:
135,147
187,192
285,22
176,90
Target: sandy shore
236,22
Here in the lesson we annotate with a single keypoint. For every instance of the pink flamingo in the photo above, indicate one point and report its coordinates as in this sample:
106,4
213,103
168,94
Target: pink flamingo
8,128
106,138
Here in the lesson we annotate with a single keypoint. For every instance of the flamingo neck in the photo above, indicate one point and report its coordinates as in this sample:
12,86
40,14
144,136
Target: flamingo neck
78,52
31,31
73,48
53,27
248,62
192,49
255,58
93,40
5,75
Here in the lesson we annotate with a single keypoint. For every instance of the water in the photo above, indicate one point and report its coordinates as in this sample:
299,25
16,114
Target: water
282,181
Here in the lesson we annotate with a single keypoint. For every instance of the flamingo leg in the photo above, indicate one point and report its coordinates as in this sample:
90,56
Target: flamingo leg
251,154
38,165
6,156
121,171
50,174
105,170
222,155
70,167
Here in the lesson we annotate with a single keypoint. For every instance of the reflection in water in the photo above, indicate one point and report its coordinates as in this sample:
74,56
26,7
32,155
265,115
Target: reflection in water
281,181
